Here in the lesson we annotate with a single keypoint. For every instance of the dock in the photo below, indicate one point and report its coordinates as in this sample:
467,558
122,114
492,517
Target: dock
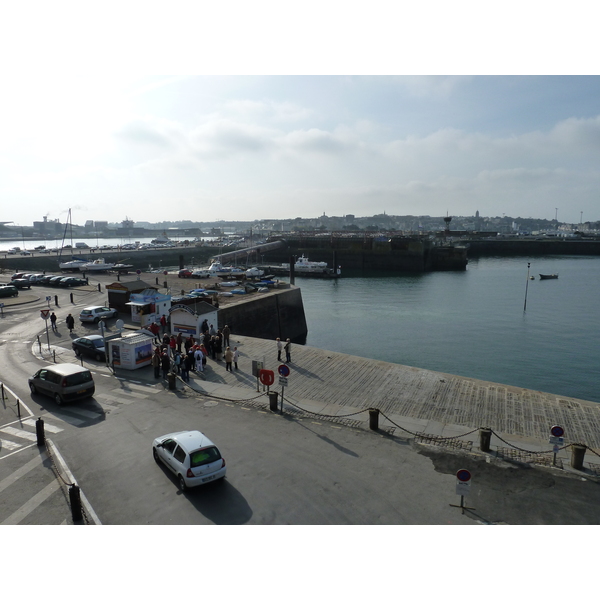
334,384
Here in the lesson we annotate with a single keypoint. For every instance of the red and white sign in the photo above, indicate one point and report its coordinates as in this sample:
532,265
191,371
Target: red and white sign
266,376
44,313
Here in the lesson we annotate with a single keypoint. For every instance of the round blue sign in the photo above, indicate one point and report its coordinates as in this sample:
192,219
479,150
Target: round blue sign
463,475
557,431
138,271
283,370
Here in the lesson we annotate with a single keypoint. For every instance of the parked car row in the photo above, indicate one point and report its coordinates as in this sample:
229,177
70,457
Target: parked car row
26,280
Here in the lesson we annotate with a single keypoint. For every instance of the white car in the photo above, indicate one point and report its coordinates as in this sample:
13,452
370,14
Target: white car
191,456
93,314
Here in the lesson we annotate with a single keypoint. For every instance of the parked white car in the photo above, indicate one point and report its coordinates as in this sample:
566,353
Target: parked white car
191,456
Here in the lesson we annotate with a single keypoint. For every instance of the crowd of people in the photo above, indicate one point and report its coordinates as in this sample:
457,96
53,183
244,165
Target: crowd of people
176,354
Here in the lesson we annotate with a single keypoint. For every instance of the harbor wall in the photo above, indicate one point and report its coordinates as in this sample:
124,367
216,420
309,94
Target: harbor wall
278,313
532,247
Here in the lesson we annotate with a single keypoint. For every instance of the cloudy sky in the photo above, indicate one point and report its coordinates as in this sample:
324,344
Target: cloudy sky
113,143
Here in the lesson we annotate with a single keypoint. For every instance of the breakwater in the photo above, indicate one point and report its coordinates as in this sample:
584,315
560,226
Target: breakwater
533,247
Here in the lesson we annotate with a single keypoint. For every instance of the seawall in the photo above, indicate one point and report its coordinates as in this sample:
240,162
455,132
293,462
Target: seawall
277,313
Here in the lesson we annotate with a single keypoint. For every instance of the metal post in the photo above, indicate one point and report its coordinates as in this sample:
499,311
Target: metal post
56,300
39,432
485,437
2,388
374,419
526,287
273,401
71,295
577,456
75,499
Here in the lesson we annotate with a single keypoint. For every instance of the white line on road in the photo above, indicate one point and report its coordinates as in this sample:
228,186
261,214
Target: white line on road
31,504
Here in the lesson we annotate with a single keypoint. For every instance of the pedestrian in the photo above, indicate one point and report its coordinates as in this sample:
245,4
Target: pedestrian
163,322
204,326
165,362
155,330
218,346
198,356
53,321
226,332
70,321
279,349
213,347
156,362
177,362
236,356
204,355
186,365
190,354
228,359
211,330
172,345
288,351
179,342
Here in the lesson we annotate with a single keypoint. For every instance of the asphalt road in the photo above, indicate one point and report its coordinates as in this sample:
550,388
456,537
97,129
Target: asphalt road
281,470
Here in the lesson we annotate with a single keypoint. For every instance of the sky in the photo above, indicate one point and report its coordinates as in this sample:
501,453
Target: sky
123,126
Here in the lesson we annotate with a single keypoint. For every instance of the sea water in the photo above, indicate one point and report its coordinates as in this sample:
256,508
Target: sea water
472,323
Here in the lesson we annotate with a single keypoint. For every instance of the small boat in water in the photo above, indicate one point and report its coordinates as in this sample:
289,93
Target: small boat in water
553,276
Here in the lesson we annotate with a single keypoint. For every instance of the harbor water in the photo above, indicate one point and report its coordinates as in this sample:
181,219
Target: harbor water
471,323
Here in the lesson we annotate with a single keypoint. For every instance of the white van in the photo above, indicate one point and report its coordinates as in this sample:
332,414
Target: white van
63,382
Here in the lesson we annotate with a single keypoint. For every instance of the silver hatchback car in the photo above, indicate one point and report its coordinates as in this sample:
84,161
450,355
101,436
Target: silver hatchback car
191,456
93,314
63,382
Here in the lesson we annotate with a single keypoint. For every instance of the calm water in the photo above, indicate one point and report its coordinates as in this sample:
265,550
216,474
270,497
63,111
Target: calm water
471,323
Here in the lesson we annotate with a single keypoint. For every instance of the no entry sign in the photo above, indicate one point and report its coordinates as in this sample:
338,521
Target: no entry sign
463,475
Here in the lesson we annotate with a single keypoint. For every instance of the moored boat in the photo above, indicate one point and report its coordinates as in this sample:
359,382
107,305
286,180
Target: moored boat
552,276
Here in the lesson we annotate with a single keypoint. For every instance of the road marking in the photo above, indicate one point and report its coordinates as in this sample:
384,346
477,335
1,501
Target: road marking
32,504
82,412
47,427
16,475
20,433
112,398
8,444
70,420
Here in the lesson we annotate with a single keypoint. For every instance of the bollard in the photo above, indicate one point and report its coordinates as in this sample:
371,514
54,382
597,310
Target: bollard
71,295
2,388
75,500
272,401
157,281
54,355
577,455
172,379
99,288
374,419
165,284
39,432
485,437
56,300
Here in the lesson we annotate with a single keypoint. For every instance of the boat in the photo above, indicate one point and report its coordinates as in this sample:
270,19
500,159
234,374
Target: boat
72,265
302,264
553,276
216,268
254,272
161,239
99,265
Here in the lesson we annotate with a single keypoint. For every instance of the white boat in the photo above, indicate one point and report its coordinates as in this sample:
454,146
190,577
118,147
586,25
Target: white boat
72,265
228,283
200,273
254,272
161,239
216,268
302,264
97,265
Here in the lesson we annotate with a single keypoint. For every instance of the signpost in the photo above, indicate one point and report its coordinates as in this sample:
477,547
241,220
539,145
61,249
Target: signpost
1,308
44,313
463,488
283,371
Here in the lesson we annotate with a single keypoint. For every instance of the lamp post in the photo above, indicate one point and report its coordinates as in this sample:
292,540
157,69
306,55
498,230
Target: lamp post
526,287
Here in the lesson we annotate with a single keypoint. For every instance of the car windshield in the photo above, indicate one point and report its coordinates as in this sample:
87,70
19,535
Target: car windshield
204,456
78,378
98,343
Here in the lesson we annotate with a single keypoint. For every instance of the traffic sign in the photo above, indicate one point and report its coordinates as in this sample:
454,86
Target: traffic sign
557,441
44,313
557,431
138,271
48,298
463,488
463,475
283,370
266,376
283,381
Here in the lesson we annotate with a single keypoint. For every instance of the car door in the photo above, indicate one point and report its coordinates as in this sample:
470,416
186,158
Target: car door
165,452
86,346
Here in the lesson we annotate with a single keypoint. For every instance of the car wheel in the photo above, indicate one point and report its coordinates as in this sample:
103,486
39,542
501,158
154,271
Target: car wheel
58,399
155,455
182,485
32,388
77,352
96,320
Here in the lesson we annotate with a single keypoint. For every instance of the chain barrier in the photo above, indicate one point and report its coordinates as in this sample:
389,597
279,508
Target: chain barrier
322,415
209,395
427,435
58,473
